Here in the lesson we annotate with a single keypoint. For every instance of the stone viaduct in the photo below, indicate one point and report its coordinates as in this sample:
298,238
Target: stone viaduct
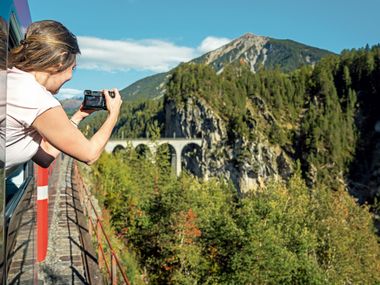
177,143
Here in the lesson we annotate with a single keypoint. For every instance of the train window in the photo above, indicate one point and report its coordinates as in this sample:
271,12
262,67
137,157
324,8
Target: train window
14,32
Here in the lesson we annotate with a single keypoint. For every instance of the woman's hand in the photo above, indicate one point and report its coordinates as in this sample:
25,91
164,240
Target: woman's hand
81,114
113,104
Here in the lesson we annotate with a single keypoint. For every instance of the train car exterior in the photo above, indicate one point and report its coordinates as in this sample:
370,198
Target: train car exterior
16,187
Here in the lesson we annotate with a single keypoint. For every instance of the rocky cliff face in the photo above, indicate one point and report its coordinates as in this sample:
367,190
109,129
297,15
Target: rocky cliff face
248,164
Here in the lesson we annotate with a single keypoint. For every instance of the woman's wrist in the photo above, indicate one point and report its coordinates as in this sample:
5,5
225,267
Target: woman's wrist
113,116
75,120
75,124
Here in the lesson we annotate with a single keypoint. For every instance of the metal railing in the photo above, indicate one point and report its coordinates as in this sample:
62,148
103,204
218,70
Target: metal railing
110,262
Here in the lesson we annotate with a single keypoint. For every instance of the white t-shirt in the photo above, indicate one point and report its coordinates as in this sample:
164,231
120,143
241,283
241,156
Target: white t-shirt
26,100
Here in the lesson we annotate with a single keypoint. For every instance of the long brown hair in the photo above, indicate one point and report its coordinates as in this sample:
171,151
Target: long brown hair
48,46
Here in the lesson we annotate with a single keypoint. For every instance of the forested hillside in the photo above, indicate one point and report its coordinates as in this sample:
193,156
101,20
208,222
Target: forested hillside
301,226
324,116
189,231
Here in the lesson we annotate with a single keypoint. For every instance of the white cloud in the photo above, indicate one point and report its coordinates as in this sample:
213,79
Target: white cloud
212,43
151,54
66,93
111,55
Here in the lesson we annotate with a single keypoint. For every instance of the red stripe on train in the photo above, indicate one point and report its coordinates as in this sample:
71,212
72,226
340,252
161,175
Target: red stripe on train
42,212
42,229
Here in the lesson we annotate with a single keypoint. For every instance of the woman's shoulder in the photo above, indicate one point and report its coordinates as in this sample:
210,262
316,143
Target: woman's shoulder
14,72
22,85
17,78
26,98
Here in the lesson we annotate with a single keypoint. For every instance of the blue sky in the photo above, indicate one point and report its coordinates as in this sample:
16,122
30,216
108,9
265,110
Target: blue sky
126,40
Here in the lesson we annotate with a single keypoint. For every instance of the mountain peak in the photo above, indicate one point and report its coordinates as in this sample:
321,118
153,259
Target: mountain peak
237,48
248,35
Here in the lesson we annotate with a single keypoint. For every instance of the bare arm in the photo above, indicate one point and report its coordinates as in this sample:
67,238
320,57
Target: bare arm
61,135
46,153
